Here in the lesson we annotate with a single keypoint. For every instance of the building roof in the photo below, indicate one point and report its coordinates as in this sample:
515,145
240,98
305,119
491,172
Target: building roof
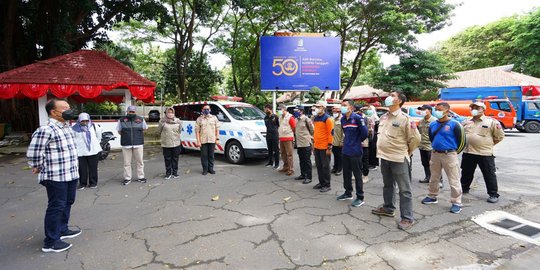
365,92
492,77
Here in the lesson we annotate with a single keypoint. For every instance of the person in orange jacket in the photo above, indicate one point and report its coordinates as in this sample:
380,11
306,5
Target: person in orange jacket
322,143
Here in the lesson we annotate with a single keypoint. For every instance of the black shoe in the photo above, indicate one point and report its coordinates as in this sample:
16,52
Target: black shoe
204,173
465,191
211,171
92,186
317,186
325,189
81,187
426,180
142,180
333,171
268,165
276,167
306,181
175,175
126,182
338,173
59,246
301,177
70,234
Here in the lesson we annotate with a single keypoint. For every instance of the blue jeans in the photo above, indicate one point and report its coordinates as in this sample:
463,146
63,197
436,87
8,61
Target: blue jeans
61,196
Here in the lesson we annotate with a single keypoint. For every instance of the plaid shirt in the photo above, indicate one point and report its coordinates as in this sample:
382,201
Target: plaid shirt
53,150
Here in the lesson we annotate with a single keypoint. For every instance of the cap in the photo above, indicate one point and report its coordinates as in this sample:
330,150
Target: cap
132,108
320,104
300,107
84,117
337,106
425,107
479,104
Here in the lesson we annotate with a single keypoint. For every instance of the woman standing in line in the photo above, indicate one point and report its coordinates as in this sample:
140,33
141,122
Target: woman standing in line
170,128
87,138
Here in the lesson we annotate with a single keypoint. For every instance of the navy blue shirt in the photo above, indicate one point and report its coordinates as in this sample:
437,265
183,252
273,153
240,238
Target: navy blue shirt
354,131
450,137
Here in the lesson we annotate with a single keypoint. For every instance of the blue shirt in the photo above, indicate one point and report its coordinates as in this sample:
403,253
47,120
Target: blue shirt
354,132
450,137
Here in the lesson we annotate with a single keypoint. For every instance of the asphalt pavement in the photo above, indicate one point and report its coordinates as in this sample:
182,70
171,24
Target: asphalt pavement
252,217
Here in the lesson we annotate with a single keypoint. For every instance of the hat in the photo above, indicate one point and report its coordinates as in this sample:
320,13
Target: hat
132,108
479,104
321,104
300,107
337,106
425,107
84,117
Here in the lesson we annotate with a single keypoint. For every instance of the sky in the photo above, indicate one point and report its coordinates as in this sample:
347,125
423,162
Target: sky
470,13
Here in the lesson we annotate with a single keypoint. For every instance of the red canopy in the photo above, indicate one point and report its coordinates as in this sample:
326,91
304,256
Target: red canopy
85,72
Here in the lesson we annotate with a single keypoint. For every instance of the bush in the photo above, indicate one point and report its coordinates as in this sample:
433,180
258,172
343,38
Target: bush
105,108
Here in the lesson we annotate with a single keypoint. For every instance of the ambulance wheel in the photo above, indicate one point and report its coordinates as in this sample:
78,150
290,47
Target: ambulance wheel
235,153
532,127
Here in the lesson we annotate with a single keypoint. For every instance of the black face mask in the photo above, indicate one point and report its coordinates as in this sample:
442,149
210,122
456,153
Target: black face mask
131,116
69,115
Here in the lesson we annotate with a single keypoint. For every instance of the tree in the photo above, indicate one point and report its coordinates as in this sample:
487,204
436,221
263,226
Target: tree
417,72
526,43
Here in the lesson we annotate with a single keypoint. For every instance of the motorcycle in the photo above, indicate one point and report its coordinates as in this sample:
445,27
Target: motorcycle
105,145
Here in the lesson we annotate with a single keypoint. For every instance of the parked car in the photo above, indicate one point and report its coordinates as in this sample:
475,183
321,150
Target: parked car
153,116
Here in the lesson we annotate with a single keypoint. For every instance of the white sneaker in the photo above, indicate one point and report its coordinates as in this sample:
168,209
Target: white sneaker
365,178
168,177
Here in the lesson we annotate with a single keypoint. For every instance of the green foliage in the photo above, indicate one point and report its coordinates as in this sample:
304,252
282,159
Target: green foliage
418,71
527,43
105,108
313,96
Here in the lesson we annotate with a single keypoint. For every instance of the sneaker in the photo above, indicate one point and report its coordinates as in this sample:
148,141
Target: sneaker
276,167
59,246
175,176
338,173
306,181
357,203
425,181
325,189
168,177
455,209
80,187
344,197
380,211
492,199
365,179
301,177
211,172
333,171
93,186
268,165
429,200
317,186
142,180
126,182
405,224
372,168
204,173
70,234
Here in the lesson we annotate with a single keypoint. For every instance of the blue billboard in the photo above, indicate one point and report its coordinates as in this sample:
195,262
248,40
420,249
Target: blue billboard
300,63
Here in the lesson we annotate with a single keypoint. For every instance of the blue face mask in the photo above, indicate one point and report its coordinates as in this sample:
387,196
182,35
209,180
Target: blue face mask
368,112
474,112
438,114
206,111
344,110
296,114
389,101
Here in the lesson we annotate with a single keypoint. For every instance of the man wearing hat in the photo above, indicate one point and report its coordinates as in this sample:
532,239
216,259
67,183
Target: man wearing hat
425,144
287,125
482,134
304,137
322,142
131,127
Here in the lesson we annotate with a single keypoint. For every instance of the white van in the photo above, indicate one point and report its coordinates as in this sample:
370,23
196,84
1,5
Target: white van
242,133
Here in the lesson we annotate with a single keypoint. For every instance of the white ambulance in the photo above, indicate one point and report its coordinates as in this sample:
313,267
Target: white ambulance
242,133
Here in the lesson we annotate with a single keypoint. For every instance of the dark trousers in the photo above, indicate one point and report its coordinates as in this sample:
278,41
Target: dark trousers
88,170
397,173
171,155
323,167
338,160
425,156
273,151
373,160
487,166
353,165
304,154
365,161
207,156
61,195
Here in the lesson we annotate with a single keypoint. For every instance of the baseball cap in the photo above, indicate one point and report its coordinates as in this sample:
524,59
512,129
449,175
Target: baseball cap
479,104
132,108
320,104
300,107
425,107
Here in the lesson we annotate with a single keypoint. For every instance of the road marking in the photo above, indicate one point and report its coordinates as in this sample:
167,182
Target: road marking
507,224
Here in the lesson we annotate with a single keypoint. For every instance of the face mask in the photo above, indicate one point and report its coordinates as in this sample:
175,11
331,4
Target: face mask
170,115
296,114
389,101
84,124
130,115
344,110
475,112
206,111
335,115
317,110
280,113
438,114
268,112
369,112
421,113
69,115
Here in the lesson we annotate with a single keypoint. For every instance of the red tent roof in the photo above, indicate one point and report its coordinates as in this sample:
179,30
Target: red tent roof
85,71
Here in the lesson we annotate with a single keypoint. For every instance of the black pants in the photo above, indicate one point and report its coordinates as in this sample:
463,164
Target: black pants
323,167
353,165
273,150
338,160
487,166
373,160
365,161
207,156
88,170
425,156
171,154
304,154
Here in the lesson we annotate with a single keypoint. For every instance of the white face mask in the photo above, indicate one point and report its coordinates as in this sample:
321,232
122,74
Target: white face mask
389,101
475,112
317,110
335,115
421,113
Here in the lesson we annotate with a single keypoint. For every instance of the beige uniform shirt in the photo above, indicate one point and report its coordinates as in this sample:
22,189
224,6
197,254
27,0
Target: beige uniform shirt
398,137
207,125
338,132
481,135
304,131
423,127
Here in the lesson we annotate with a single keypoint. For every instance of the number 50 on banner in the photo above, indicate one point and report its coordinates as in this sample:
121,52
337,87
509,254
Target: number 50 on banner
287,67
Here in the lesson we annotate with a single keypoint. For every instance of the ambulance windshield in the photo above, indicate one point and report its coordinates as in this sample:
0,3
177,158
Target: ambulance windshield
244,112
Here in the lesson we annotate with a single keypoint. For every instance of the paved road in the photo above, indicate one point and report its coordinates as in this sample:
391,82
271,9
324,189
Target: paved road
264,220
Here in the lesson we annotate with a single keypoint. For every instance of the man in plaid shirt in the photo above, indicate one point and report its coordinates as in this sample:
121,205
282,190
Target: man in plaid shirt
53,156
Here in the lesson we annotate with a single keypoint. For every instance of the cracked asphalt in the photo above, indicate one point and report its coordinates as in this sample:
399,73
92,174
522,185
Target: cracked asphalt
264,220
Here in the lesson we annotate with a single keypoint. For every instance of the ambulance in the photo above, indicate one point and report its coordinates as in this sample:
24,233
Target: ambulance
242,132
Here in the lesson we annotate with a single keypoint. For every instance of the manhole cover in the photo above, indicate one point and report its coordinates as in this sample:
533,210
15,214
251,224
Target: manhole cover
507,224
